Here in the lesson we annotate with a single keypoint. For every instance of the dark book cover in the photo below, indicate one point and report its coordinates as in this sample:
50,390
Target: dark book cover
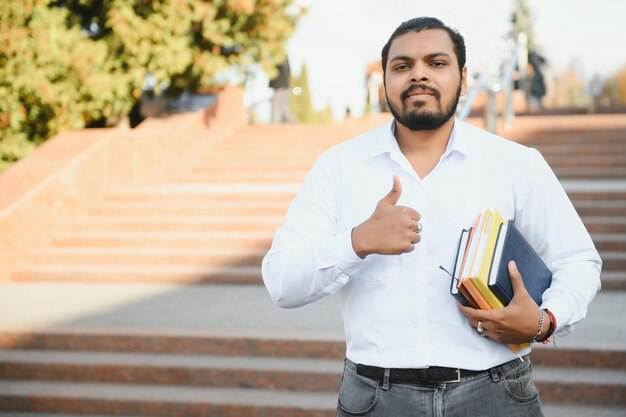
454,284
513,246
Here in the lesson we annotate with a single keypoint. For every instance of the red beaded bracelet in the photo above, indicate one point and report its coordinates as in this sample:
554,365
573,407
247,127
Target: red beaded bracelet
551,328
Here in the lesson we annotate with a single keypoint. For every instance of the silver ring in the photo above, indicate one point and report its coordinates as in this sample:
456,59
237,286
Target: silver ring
479,328
419,227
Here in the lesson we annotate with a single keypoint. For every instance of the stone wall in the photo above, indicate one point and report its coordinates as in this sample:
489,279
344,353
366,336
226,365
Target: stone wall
40,194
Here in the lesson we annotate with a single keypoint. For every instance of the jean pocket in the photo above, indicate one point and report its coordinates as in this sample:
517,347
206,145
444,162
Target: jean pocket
519,385
358,395
379,267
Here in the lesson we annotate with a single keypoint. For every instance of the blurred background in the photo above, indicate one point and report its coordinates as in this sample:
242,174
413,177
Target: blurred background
70,64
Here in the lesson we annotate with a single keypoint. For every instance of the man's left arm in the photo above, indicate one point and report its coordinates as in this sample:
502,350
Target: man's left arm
550,223
548,220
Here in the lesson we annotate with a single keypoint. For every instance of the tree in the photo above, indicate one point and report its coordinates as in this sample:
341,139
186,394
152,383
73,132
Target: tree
521,21
301,104
66,64
614,89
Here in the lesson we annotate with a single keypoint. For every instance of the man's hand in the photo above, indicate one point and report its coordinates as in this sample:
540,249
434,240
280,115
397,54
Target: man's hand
390,230
517,322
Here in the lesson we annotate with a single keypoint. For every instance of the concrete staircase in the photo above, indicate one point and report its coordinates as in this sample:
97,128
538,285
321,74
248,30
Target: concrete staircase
212,225
589,156
115,317
159,375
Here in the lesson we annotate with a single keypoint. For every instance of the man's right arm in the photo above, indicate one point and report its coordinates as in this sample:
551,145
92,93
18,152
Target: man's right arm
309,257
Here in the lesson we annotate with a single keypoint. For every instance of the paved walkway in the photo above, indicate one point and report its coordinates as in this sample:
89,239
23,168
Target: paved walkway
228,309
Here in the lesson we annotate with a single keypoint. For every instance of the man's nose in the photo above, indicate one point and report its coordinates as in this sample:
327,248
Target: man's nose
419,74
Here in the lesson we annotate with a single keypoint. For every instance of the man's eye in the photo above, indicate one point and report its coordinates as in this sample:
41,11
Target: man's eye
438,64
401,67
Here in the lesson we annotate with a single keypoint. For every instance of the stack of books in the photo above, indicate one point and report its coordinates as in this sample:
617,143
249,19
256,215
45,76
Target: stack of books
481,274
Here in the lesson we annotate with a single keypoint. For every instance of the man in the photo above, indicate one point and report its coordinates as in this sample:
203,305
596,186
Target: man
378,215
280,100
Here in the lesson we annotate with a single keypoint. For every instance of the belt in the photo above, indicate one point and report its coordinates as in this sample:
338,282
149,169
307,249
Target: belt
431,375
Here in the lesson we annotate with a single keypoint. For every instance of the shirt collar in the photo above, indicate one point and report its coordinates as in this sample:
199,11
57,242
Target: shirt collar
387,142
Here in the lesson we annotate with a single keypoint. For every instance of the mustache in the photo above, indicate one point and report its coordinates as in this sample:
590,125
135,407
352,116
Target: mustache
405,93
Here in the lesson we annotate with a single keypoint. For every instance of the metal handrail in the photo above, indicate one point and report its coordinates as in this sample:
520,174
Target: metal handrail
498,76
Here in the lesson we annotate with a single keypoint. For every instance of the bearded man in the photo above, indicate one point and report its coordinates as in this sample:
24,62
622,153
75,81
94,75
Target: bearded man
378,215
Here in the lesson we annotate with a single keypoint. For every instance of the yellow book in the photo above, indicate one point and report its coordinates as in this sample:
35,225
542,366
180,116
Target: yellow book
477,296
480,272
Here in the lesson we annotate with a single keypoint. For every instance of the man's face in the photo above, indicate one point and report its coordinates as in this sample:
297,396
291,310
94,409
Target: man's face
422,79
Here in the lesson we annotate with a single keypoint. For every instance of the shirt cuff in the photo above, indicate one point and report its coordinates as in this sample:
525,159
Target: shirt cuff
342,255
562,315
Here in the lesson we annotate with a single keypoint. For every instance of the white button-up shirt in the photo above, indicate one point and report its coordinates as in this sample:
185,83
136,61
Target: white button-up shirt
397,309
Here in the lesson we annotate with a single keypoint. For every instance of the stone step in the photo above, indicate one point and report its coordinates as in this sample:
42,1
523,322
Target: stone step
587,148
315,375
600,207
157,239
571,127
269,150
184,208
27,414
204,194
153,400
272,206
581,385
578,160
567,139
243,176
198,274
557,384
613,261
217,162
550,410
252,345
596,195
605,224
569,386
590,173
189,274
610,241
250,222
613,280
578,410
215,257
159,341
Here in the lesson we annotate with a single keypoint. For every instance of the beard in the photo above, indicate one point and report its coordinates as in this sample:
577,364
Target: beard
416,119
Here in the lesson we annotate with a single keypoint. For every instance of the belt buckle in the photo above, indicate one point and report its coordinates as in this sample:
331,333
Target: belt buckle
458,377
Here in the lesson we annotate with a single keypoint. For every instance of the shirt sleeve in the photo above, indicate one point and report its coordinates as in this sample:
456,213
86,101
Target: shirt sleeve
309,259
549,221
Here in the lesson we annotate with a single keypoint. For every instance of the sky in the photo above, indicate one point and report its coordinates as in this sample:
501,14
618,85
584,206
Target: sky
336,39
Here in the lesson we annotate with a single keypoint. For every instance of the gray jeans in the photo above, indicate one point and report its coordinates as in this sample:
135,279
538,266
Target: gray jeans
504,391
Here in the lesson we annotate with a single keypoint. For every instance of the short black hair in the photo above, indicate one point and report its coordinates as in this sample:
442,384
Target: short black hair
418,24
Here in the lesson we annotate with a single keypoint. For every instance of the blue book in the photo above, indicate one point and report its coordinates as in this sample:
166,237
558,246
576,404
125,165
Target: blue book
511,245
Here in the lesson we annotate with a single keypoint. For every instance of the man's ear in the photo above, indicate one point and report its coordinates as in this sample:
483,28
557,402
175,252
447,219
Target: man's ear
464,81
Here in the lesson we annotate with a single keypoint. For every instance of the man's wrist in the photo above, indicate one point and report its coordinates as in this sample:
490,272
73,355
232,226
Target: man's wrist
540,327
358,244
550,326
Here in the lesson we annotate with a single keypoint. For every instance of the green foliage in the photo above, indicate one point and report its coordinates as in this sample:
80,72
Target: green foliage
301,104
65,64
614,89
522,21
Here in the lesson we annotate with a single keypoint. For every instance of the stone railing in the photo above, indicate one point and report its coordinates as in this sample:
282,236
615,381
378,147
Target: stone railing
40,194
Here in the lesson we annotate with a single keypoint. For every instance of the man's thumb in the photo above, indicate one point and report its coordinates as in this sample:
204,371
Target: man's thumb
394,195
516,279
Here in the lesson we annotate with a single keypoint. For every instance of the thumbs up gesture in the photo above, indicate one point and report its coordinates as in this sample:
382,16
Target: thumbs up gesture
390,230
